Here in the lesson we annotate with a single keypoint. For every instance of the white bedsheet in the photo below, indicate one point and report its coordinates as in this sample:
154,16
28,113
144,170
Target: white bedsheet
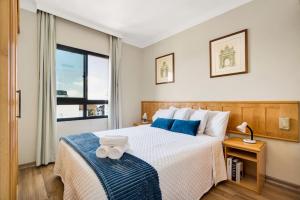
187,166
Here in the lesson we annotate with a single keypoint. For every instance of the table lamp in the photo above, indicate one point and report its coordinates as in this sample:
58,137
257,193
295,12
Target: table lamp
144,117
242,127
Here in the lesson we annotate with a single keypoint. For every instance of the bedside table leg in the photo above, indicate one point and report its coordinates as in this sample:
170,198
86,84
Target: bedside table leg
261,170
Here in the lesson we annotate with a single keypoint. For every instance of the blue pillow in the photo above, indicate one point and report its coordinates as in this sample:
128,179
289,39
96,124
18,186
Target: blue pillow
163,123
189,127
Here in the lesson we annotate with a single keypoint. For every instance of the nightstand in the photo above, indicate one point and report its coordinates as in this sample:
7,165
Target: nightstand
253,159
141,123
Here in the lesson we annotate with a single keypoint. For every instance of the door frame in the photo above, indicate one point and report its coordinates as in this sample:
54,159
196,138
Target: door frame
9,25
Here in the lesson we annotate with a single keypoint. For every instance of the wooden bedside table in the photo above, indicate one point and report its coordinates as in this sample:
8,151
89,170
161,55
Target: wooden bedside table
141,123
254,162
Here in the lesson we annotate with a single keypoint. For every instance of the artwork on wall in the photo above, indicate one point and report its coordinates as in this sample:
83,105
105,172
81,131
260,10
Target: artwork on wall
228,55
164,69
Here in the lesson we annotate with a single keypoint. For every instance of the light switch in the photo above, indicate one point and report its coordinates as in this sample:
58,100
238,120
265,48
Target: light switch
284,123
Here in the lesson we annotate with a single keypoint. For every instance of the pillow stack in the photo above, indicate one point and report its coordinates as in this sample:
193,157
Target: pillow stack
181,113
164,113
217,123
192,122
201,115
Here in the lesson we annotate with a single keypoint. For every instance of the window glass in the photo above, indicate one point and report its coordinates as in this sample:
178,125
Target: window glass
82,84
69,111
96,110
97,78
69,74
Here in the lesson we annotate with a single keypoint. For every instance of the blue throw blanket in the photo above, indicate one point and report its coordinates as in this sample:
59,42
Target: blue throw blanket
129,178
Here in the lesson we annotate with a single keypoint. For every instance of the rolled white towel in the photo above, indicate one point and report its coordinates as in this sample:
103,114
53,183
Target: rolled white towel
117,152
102,151
114,140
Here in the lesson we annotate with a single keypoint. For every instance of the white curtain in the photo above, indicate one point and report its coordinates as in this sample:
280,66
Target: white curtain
114,115
46,138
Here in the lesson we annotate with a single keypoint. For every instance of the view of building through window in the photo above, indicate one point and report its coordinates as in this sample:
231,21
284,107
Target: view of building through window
82,84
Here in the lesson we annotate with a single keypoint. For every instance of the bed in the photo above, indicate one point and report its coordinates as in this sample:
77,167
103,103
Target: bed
187,166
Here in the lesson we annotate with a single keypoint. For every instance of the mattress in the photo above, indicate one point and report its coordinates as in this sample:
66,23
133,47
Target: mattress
187,166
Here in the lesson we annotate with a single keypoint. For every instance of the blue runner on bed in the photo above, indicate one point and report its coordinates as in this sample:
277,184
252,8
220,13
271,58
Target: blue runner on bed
129,178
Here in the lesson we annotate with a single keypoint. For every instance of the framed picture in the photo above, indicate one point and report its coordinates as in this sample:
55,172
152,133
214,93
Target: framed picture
164,69
228,54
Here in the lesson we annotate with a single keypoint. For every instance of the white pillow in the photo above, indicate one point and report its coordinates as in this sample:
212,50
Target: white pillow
164,113
182,113
217,123
201,115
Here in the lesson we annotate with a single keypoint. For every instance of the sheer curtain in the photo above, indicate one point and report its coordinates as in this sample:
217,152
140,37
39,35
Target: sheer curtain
114,115
46,138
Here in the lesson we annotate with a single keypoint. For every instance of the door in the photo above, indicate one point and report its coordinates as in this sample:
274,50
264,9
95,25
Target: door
8,99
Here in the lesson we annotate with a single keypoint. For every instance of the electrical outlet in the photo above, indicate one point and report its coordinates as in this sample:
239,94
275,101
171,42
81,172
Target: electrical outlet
284,123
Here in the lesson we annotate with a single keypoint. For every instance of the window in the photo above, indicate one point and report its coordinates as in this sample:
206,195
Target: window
82,84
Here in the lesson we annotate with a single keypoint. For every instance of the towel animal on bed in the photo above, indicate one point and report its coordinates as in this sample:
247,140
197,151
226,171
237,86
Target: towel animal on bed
113,146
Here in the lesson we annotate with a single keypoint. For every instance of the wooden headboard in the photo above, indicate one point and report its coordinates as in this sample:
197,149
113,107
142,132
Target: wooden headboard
262,116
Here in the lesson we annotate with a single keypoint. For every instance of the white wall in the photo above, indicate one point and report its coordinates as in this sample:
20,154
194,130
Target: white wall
27,73
81,126
274,52
77,36
131,87
274,74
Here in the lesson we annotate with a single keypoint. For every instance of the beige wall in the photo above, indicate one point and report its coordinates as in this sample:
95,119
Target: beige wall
274,57
77,36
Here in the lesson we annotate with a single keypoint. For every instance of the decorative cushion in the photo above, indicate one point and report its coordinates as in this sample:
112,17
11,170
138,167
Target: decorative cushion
217,123
163,123
189,127
201,115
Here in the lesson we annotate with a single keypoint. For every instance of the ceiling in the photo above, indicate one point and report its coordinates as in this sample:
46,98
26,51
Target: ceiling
138,22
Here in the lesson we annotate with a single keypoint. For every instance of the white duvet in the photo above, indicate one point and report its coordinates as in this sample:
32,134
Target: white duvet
187,166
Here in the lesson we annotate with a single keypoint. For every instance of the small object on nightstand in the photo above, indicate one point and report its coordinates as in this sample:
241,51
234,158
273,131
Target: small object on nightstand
141,123
242,127
252,168
145,118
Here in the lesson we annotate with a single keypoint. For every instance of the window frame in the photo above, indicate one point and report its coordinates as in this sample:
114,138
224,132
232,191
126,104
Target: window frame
84,100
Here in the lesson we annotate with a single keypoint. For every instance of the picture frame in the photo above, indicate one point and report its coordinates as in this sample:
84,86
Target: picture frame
229,54
165,69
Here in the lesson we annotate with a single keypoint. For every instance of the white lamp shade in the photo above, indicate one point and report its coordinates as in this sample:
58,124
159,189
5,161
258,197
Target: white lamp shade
145,116
242,127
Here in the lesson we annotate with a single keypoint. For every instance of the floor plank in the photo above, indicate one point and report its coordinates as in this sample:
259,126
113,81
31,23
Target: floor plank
53,184
32,184
40,183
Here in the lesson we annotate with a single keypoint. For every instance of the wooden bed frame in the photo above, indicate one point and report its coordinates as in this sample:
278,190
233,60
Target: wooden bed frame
262,116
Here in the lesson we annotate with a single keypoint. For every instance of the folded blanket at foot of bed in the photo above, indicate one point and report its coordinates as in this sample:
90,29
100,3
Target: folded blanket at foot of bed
126,178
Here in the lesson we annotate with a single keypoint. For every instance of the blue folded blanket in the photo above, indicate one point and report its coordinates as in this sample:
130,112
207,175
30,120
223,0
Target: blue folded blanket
129,178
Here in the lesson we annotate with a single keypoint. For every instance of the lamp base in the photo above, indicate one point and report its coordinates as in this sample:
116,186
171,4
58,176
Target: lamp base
249,141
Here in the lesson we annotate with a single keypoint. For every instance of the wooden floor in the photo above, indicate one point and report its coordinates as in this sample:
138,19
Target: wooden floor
40,183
